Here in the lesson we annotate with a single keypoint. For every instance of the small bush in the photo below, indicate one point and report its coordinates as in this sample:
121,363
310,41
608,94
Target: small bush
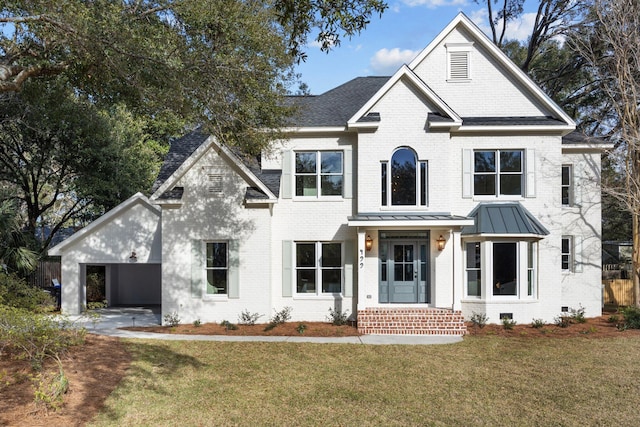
197,323
508,323
301,328
337,318
279,318
537,323
479,320
563,321
247,318
614,318
631,315
49,390
228,325
172,319
578,315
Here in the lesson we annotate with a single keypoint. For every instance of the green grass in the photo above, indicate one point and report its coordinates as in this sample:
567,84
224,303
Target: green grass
482,381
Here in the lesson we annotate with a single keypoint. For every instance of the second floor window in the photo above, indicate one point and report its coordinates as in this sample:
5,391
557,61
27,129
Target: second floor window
498,173
404,180
566,185
319,173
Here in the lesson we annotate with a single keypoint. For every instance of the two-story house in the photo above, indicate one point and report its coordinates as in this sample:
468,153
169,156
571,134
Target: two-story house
453,187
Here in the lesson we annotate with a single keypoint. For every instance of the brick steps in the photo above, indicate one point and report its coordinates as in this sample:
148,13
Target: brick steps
411,321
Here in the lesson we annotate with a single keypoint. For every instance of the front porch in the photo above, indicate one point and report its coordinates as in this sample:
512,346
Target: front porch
410,321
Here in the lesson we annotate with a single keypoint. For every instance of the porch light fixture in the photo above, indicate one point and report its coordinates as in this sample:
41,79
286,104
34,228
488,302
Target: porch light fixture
368,243
441,241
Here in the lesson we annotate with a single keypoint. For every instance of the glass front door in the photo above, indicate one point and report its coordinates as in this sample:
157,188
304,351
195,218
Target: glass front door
403,271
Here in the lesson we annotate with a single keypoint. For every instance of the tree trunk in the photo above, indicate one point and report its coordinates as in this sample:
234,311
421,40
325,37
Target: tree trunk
636,259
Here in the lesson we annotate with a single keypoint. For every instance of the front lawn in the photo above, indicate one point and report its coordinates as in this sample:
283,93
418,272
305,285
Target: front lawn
486,380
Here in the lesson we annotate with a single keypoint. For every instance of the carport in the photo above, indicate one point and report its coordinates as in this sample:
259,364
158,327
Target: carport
126,242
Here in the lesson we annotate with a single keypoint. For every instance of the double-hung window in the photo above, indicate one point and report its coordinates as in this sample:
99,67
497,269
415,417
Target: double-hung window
217,268
319,173
498,172
567,185
474,269
318,268
404,180
567,253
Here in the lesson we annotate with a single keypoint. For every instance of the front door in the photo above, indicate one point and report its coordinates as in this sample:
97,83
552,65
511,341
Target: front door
403,286
403,273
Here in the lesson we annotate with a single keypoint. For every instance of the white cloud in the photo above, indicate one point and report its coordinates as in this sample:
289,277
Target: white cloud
387,61
519,29
433,4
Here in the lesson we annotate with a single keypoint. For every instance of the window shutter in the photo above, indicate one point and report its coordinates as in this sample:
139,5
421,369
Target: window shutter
467,176
577,254
530,170
349,256
576,188
287,274
347,189
286,174
197,267
234,269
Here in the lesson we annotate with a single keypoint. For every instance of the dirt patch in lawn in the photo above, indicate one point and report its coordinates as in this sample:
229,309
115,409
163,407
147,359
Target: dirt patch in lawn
310,329
96,368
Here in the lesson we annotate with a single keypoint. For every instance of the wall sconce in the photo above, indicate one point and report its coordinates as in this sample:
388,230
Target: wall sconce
133,257
441,241
368,243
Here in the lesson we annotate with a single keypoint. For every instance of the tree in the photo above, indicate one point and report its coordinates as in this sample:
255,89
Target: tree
63,159
224,64
14,253
613,52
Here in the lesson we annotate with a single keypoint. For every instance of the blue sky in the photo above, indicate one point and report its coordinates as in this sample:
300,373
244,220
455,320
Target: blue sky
405,28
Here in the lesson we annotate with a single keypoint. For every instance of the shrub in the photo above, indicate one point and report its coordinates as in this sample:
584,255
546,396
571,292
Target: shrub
337,318
301,328
479,320
35,336
16,292
228,325
614,318
172,319
563,321
197,323
247,318
50,389
537,323
279,318
578,315
508,323
631,315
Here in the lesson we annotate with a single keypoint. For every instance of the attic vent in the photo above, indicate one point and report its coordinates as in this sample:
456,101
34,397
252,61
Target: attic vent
459,65
214,184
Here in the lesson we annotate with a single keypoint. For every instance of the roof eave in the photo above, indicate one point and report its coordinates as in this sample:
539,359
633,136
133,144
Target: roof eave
587,147
563,129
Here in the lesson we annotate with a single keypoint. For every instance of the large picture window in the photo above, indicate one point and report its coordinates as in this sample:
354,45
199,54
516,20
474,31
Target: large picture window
318,268
404,180
498,173
505,268
217,268
319,173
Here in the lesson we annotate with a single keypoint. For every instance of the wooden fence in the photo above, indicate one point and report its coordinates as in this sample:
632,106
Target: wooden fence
618,291
44,273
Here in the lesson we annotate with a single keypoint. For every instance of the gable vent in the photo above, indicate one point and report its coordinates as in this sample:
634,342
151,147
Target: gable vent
214,184
459,65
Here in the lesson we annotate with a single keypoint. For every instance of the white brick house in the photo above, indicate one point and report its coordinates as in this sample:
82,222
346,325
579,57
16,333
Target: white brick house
453,187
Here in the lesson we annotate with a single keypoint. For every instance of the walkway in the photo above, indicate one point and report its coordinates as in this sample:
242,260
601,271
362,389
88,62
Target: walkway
114,318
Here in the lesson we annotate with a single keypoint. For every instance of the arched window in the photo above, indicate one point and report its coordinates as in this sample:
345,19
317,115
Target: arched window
406,178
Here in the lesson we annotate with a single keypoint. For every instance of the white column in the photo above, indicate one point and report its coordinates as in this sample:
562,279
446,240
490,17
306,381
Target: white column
458,269
360,267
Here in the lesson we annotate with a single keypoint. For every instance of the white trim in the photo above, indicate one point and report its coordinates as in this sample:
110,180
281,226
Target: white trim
570,148
405,71
137,198
564,129
316,129
441,223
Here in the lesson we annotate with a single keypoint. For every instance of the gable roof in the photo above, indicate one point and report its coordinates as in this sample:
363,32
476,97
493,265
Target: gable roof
187,150
137,198
461,20
405,72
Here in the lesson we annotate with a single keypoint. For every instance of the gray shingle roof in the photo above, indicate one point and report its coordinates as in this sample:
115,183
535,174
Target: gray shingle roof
179,151
503,218
511,121
577,137
337,106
